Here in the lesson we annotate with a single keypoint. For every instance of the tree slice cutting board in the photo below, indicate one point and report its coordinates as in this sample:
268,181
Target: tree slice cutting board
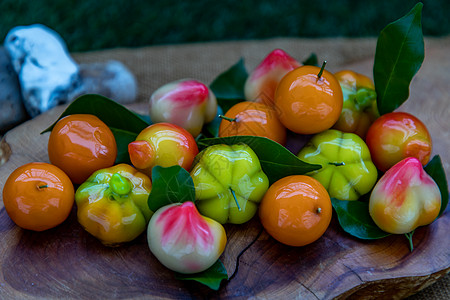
66,262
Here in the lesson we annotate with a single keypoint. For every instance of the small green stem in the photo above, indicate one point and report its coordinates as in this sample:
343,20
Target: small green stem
226,118
120,184
235,199
43,186
322,69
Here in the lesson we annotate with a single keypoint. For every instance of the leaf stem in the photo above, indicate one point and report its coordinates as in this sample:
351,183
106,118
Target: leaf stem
322,69
226,118
409,236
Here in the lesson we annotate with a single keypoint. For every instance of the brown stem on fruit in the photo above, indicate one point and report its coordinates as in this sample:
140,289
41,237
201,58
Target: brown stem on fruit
226,118
235,199
322,69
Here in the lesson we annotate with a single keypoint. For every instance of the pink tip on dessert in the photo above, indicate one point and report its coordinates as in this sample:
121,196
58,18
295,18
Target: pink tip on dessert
184,224
277,59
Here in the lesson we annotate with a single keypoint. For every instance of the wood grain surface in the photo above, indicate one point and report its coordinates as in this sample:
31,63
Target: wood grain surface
66,262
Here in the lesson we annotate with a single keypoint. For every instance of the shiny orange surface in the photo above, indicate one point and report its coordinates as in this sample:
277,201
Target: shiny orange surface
253,118
168,145
395,136
80,144
307,104
296,210
38,196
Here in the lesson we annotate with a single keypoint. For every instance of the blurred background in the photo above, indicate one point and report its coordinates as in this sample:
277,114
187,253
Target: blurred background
100,24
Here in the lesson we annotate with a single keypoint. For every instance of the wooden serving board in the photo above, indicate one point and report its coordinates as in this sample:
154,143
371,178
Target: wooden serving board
66,262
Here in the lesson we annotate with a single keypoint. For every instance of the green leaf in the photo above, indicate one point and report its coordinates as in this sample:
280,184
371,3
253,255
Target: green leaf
212,128
123,138
435,169
228,87
170,185
211,277
354,218
145,118
398,56
110,112
276,161
311,60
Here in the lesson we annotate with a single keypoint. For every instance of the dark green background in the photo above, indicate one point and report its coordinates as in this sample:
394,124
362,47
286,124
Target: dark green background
99,24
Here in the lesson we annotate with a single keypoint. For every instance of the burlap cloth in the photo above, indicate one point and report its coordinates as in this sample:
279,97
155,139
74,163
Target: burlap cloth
157,65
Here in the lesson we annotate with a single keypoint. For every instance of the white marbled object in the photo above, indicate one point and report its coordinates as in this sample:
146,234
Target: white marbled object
48,75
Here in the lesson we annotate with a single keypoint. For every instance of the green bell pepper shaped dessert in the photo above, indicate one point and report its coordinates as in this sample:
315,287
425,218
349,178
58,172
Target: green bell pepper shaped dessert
347,169
229,183
112,204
